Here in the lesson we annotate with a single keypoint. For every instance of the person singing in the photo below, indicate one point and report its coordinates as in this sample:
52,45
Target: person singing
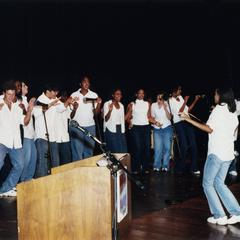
138,115
221,127
114,123
83,112
162,133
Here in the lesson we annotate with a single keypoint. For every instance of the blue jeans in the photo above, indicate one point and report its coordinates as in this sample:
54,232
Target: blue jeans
116,142
187,139
65,152
42,158
29,160
16,158
162,146
140,147
214,175
81,144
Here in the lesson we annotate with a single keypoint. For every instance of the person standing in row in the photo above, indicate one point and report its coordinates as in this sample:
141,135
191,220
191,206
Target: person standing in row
221,128
138,115
62,129
45,130
83,112
11,117
162,134
114,124
185,131
29,148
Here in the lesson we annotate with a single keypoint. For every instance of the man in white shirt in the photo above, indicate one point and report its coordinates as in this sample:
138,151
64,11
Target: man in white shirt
83,112
11,117
62,129
47,153
185,131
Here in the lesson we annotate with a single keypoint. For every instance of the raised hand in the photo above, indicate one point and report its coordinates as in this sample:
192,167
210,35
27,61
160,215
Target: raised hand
186,98
75,106
99,100
110,106
31,104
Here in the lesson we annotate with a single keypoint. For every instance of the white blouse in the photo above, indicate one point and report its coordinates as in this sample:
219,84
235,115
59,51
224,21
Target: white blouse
117,117
140,112
160,115
221,140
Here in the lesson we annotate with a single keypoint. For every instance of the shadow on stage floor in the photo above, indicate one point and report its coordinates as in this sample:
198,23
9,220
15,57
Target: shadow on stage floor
172,208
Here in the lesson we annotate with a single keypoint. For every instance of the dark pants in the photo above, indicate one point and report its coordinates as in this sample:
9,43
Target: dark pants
140,147
187,139
116,142
65,154
43,158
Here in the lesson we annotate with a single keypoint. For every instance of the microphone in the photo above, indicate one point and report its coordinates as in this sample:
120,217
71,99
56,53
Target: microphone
75,124
89,99
38,103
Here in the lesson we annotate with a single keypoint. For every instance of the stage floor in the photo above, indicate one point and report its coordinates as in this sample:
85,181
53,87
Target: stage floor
173,208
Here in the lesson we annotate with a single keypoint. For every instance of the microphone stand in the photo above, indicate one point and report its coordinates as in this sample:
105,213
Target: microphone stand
96,120
48,154
114,165
174,131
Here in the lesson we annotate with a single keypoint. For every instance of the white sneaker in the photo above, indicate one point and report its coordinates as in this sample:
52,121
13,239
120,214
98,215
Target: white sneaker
233,173
197,173
219,221
233,219
156,169
10,193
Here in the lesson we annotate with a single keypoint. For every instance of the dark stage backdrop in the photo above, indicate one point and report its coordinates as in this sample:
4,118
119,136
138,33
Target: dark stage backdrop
126,44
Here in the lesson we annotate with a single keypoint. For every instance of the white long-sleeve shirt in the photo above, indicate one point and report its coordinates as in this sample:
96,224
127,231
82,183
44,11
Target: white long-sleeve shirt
10,121
40,127
61,125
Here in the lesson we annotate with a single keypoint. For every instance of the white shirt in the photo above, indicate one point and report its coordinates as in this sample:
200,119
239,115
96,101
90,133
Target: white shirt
84,114
175,106
29,131
40,127
160,115
10,121
237,107
221,140
140,112
117,117
61,124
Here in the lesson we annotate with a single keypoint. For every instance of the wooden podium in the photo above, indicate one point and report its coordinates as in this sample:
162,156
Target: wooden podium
75,202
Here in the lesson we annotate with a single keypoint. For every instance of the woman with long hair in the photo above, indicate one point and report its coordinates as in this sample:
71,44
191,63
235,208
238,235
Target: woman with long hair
221,126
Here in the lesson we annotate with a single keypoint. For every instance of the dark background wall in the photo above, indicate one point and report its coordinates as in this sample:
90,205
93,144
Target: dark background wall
127,44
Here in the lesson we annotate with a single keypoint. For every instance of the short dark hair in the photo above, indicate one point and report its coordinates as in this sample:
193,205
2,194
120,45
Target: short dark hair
50,87
226,95
8,85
